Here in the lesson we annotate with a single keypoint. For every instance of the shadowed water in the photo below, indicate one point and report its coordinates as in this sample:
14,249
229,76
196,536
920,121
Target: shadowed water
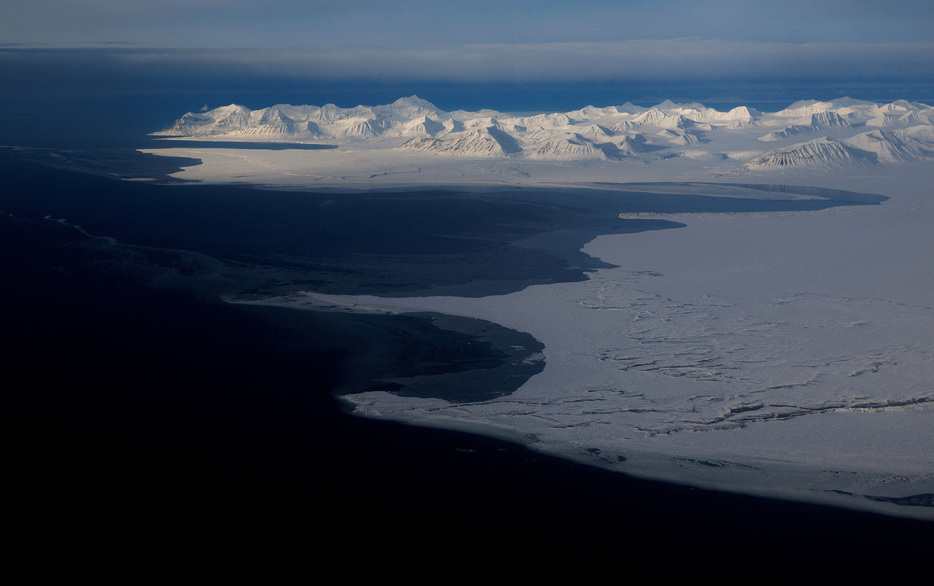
134,399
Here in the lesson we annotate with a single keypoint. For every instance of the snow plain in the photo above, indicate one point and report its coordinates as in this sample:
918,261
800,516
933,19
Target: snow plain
778,354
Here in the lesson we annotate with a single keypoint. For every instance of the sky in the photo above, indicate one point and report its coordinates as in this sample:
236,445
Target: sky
432,23
708,49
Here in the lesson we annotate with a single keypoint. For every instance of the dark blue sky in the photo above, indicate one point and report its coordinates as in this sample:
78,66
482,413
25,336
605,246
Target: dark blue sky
519,54
304,23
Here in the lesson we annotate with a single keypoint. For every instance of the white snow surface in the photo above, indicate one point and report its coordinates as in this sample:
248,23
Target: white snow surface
806,135
781,354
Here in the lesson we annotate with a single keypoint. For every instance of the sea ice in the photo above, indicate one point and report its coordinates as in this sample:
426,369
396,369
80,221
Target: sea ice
781,354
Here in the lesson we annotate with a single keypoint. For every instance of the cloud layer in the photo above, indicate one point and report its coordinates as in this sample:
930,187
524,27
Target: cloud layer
302,23
111,45
638,61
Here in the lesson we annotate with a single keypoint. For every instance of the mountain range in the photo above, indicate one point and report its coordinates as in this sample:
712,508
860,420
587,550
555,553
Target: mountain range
805,135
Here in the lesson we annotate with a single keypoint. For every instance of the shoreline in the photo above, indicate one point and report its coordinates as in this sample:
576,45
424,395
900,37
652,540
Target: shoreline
710,469
684,467
682,297
784,481
470,359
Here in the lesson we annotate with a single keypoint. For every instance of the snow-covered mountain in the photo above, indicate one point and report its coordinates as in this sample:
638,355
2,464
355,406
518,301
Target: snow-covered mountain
824,152
818,121
809,134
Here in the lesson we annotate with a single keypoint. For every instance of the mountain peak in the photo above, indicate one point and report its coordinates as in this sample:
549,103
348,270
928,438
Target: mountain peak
414,100
616,133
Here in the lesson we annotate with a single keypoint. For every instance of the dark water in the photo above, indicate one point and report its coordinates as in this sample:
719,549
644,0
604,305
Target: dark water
136,404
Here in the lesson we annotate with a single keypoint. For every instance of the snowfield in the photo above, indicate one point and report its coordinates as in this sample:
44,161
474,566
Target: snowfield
780,354
805,136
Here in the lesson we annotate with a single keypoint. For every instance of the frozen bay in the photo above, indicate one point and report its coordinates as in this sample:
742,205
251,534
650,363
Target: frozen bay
781,354
779,351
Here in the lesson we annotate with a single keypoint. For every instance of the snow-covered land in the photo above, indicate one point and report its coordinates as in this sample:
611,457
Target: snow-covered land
783,354
806,136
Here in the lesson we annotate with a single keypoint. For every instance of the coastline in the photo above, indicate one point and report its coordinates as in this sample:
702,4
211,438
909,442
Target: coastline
423,355
747,456
731,460
644,272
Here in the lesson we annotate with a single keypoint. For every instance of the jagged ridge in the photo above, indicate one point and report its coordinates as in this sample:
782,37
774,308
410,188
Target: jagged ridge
903,131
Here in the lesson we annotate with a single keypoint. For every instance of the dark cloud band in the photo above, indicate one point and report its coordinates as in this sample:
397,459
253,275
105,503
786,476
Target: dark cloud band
669,60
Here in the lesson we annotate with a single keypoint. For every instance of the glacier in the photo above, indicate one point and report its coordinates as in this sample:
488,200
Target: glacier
784,354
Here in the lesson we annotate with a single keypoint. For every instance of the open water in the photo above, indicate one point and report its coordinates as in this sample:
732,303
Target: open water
134,399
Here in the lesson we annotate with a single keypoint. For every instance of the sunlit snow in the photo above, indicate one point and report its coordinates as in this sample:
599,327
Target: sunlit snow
784,354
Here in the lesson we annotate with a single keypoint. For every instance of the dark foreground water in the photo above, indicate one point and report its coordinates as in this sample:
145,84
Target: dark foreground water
137,405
